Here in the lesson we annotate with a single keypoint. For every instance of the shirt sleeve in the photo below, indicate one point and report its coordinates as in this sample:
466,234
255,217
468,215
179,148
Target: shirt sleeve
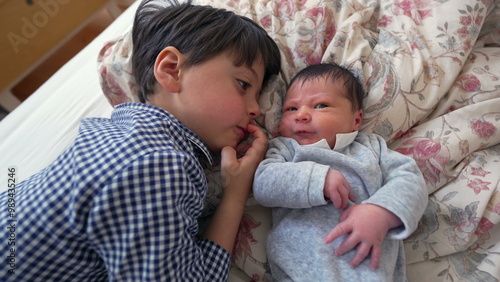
143,223
280,182
403,191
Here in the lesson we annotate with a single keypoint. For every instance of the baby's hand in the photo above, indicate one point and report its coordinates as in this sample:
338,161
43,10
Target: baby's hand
367,224
237,173
337,189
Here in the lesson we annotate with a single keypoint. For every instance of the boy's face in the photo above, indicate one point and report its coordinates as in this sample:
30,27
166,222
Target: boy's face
318,109
220,100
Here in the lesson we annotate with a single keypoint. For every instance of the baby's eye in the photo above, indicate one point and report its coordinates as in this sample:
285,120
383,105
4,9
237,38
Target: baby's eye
243,84
321,106
290,109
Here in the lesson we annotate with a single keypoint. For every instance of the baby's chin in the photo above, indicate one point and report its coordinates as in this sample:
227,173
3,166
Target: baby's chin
307,141
314,141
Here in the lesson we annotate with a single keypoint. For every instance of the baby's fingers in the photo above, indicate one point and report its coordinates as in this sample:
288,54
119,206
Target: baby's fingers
336,233
351,196
346,195
349,243
362,252
376,254
336,199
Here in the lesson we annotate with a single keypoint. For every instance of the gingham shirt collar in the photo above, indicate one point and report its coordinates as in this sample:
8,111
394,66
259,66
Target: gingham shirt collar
199,147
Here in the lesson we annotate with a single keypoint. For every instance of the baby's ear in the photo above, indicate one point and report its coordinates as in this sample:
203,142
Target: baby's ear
166,69
358,118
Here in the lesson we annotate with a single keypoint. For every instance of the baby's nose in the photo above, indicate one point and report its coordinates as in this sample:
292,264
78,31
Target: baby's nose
303,114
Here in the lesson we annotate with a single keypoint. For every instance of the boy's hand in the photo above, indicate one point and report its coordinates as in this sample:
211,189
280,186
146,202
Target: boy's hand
237,173
337,189
367,224
237,178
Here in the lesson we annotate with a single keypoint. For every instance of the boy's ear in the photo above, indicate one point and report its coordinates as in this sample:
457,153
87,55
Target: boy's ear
167,67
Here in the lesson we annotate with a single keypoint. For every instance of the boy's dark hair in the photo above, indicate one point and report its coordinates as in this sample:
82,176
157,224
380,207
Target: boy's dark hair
198,32
334,72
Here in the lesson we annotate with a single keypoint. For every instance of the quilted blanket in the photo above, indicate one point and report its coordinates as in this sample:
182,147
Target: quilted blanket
431,72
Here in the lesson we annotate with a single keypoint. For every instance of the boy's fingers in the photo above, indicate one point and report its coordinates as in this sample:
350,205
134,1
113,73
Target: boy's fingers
228,156
228,166
259,144
242,148
255,130
257,133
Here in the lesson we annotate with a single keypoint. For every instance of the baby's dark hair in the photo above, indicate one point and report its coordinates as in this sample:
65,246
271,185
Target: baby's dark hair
334,72
200,33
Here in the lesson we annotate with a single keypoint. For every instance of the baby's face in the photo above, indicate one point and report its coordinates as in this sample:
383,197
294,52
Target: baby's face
318,109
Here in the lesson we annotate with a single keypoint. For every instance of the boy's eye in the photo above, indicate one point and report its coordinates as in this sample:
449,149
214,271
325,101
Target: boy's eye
321,106
243,84
291,109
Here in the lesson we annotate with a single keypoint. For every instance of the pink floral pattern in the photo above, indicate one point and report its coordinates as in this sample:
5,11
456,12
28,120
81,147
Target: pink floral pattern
431,157
416,10
482,128
115,71
468,83
431,71
245,237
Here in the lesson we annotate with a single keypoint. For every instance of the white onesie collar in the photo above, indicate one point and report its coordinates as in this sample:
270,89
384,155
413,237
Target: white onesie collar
343,140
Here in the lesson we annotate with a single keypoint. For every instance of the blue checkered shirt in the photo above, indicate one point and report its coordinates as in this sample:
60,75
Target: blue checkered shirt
121,204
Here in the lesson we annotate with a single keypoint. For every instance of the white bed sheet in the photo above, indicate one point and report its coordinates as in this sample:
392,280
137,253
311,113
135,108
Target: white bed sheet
44,125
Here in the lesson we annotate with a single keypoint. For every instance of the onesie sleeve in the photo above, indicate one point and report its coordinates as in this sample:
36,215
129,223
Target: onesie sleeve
143,224
281,182
403,191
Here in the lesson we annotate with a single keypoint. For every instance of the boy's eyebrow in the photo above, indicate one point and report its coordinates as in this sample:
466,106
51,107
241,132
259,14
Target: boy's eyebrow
254,73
